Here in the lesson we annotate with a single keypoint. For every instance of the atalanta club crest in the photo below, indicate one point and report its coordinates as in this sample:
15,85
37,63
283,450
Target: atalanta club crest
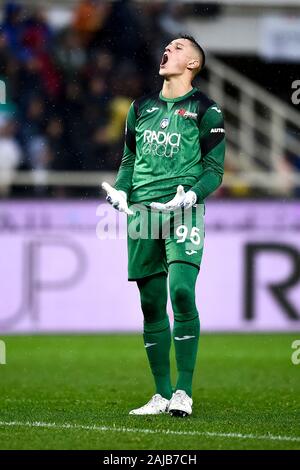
164,123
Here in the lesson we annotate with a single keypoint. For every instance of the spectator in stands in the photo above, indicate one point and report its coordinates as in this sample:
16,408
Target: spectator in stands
33,122
111,135
95,116
71,57
10,154
89,18
40,156
71,88
37,35
76,133
9,68
127,40
55,140
101,63
13,28
4,53
30,83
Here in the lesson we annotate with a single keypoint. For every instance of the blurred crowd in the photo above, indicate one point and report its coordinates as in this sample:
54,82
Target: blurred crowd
68,89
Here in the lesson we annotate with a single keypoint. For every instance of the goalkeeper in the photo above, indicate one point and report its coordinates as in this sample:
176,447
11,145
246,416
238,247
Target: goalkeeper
173,159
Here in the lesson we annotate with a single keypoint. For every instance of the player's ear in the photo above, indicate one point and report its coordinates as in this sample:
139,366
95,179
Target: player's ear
193,64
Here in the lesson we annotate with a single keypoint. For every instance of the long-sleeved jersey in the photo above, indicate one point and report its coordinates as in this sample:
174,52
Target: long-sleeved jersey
170,142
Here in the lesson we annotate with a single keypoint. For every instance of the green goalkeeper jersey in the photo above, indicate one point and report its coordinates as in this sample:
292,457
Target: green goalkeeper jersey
170,142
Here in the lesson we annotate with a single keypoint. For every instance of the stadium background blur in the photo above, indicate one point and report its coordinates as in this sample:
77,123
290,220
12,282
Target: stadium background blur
71,69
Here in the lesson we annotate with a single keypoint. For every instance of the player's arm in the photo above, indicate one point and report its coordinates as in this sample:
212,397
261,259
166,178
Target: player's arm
118,195
212,142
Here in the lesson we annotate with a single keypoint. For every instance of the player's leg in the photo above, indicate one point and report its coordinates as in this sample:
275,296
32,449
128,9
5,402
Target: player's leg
157,340
184,249
157,335
186,330
148,267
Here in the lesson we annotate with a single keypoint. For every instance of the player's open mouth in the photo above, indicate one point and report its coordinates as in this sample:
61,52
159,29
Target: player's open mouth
164,59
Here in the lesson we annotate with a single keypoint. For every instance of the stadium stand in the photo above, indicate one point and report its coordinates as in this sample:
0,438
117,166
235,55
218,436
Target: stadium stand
71,73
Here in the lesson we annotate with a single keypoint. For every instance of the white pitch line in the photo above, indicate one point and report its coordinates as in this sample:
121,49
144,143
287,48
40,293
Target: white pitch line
38,424
51,400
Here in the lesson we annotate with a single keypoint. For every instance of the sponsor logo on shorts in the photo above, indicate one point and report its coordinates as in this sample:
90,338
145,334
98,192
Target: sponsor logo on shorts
191,252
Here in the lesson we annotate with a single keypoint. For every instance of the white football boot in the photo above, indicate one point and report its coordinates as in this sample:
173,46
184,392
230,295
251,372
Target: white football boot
180,404
155,406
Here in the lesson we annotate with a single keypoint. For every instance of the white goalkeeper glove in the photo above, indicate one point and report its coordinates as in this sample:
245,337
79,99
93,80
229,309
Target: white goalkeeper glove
118,199
182,199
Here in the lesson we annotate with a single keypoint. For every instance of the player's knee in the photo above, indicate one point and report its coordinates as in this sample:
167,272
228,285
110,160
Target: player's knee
152,308
182,298
147,307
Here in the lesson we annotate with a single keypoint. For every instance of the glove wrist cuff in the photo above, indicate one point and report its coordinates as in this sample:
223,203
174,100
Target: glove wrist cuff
123,194
193,195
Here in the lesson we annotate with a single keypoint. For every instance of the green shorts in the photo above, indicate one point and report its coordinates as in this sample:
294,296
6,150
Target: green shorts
156,239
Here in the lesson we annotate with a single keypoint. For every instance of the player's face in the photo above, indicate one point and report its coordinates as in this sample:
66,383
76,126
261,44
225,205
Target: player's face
176,57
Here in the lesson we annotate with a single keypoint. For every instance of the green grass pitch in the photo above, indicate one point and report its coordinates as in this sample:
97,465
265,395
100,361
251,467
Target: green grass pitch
75,392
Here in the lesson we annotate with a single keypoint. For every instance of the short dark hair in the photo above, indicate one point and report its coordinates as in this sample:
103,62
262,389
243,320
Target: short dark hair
196,45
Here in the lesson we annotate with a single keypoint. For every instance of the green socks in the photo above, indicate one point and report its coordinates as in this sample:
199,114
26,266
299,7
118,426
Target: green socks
157,340
186,330
186,337
157,335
